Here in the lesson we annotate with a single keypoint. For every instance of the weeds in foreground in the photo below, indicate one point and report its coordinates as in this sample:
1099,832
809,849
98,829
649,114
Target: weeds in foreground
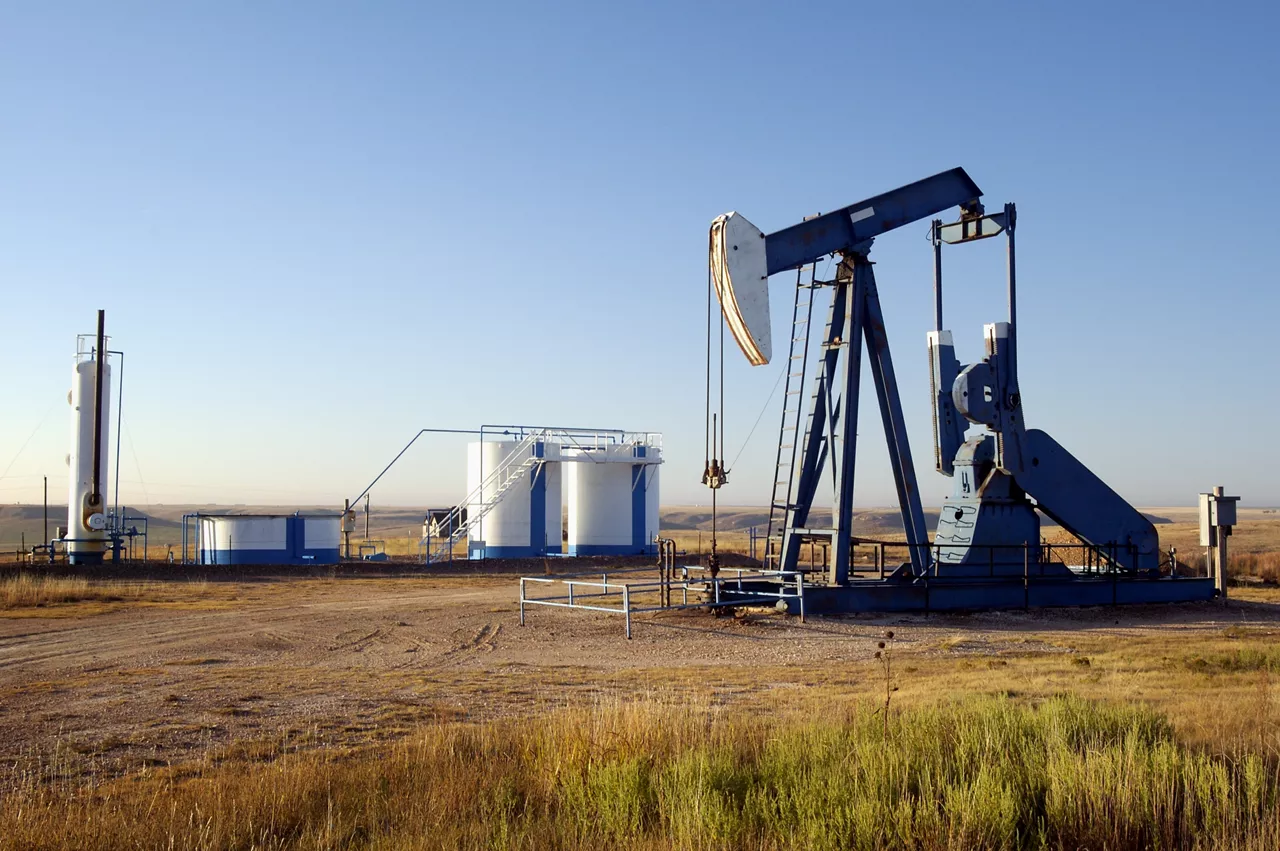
884,655
984,773
26,590
33,589
1265,566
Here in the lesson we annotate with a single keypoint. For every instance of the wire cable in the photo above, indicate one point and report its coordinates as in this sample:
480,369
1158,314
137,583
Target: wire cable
721,412
763,411
23,448
706,426
134,452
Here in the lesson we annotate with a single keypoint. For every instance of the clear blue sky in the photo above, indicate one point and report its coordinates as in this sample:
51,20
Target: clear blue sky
318,227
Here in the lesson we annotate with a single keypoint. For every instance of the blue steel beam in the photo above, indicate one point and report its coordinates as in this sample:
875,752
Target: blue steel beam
895,427
845,446
842,229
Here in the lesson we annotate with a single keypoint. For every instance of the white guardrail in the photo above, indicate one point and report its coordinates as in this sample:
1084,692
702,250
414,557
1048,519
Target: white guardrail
729,587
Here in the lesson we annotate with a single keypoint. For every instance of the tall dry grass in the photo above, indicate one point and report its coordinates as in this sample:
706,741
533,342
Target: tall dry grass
1262,565
34,589
986,773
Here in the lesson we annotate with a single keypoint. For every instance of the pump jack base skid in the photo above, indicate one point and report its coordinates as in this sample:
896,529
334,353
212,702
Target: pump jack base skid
932,594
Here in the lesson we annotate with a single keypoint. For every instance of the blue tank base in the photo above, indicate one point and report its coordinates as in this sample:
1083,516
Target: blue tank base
480,553
612,550
238,557
959,595
82,559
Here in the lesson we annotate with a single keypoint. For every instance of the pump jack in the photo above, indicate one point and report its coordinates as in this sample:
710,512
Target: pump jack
986,551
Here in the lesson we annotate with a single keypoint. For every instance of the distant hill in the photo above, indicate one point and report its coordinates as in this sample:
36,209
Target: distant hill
876,520
739,518
19,522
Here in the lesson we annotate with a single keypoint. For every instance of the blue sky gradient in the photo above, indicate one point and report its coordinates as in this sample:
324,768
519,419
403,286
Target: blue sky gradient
318,227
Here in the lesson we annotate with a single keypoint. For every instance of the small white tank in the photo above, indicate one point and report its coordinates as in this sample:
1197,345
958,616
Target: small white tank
613,499
86,528
244,539
231,539
527,520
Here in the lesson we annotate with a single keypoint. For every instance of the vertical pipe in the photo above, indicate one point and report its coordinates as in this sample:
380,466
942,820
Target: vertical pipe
1222,563
842,463
1010,220
46,510
1026,576
626,605
479,504
119,428
522,601
935,236
99,360
1219,539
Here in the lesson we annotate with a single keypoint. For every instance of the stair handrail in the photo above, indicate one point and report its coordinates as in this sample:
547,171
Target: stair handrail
476,496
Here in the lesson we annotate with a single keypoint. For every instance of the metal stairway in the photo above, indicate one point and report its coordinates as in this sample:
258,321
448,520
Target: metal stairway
507,474
792,408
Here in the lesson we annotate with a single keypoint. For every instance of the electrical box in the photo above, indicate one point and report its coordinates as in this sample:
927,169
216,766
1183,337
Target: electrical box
1224,511
349,521
1216,511
1206,525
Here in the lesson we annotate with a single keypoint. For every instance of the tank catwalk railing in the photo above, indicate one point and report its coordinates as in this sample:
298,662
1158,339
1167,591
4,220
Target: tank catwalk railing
634,591
574,438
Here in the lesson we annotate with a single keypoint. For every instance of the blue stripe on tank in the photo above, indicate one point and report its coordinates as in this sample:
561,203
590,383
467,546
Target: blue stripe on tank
637,505
538,507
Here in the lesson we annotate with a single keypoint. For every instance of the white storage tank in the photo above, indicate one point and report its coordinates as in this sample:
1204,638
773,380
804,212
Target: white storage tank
527,521
86,528
295,539
613,499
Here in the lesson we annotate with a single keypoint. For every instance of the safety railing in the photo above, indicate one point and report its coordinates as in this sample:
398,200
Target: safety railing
626,596
877,557
468,513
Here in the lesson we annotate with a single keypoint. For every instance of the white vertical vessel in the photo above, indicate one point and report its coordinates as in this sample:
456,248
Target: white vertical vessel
86,522
526,520
613,500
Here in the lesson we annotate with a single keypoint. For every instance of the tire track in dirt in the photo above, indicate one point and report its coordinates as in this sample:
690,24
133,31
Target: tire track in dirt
120,635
